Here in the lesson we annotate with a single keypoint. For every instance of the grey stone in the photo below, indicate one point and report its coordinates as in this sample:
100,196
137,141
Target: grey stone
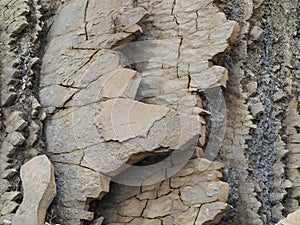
9,173
212,213
15,122
16,138
256,33
96,123
8,149
8,98
10,196
256,109
291,219
9,207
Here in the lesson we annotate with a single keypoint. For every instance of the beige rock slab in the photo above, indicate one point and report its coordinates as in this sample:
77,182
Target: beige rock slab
121,82
158,207
292,219
211,213
213,77
39,190
204,193
121,119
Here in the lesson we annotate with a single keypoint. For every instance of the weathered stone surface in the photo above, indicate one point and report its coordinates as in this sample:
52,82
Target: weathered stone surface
120,118
291,219
159,207
163,200
132,207
256,109
90,184
256,33
83,72
213,77
15,122
11,196
9,207
205,192
211,213
16,138
179,40
39,190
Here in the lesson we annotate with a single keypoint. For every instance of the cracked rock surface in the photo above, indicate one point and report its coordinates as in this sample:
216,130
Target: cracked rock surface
102,115
151,111
195,195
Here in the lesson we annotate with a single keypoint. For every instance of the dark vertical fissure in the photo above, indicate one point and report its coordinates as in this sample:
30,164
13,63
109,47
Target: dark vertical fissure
262,147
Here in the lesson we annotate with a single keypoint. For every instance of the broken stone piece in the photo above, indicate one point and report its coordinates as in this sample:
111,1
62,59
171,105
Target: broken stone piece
213,77
205,192
9,207
212,212
10,196
251,88
8,149
292,219
121,82
8,98
256,33
256,109
128,18
39,190
16,138
15,122
122,119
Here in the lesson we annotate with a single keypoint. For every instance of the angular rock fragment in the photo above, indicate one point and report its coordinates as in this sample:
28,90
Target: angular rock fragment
97,125
291,219
164,200
15,122
121,119
98,221
256,33
213,77
39,190
212,213
205,193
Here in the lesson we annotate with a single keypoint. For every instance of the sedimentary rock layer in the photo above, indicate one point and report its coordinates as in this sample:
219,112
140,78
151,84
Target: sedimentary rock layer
100,85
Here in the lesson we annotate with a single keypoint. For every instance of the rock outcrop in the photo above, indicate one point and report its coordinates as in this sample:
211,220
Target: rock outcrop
130,95
195,195
39,190
102,115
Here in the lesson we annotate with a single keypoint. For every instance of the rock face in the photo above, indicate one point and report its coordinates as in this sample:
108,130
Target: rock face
39,190
102,115
129,91
195,195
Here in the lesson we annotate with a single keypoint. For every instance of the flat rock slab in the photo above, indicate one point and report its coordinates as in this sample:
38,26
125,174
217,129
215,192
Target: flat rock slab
122,119
39,190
